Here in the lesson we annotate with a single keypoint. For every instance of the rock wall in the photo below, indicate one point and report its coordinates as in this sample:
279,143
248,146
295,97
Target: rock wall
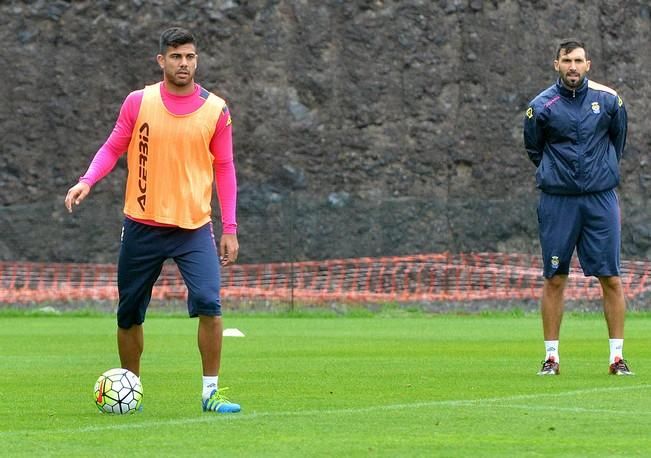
361,128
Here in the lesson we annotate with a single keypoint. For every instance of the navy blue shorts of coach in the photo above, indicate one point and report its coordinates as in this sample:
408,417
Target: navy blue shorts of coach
144,249
591,223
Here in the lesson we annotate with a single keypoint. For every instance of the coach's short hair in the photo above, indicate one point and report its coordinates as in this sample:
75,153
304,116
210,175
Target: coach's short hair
175,37
570,45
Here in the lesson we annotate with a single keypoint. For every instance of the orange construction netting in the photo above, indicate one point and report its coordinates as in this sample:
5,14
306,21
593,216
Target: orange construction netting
415,278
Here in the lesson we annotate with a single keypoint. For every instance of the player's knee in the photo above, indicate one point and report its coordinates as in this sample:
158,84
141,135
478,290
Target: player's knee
556,282
612,283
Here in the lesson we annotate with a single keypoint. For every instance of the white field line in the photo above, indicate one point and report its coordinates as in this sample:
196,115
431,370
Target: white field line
505,401
623,413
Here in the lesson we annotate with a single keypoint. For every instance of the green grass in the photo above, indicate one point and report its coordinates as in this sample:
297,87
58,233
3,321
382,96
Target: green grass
391,384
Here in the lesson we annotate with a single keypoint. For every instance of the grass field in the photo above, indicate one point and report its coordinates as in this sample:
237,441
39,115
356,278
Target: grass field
381,385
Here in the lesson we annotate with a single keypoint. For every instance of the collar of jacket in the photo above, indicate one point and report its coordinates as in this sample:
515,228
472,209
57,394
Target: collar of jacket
572,93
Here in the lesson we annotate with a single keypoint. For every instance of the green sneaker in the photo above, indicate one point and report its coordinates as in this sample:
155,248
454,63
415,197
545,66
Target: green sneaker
218,403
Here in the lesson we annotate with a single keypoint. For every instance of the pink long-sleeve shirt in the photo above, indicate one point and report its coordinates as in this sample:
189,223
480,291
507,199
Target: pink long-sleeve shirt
221,147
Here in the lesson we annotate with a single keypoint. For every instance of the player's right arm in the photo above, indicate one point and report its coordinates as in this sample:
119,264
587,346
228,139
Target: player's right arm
533,135
109,153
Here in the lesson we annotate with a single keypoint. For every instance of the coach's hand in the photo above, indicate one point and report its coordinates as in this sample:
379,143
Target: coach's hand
76,194
228,249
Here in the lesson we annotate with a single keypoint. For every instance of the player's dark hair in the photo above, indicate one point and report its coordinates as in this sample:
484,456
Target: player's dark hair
570,45
175,37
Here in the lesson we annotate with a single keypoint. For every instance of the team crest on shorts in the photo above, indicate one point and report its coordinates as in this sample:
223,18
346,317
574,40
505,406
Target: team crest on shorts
596,109
555,262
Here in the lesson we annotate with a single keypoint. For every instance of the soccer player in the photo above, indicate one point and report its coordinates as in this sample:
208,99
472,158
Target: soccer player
575,132
178,139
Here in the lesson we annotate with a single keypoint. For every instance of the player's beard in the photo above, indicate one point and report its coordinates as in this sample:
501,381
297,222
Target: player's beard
180,80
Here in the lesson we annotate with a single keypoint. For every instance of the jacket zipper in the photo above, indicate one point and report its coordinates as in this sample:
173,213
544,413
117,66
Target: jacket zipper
579,162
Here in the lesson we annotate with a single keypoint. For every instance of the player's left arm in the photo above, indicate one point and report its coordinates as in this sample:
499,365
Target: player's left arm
221,146
619,127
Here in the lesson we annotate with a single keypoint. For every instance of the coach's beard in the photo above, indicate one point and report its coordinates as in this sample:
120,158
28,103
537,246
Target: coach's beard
573,84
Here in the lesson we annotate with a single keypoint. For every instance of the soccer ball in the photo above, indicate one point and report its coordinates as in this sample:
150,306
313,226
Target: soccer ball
118,391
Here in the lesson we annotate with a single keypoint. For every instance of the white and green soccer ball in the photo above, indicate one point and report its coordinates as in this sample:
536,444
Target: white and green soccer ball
118,391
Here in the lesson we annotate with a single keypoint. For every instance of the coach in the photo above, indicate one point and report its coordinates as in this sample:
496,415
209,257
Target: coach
575,132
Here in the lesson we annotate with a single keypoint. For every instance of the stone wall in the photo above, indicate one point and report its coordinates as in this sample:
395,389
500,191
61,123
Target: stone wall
361,128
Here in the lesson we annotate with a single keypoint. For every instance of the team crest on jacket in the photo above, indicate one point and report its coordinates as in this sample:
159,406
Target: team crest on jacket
530,112
595,108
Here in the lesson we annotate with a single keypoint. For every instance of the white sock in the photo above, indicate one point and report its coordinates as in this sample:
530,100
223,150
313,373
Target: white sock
209,384
551,350
616,349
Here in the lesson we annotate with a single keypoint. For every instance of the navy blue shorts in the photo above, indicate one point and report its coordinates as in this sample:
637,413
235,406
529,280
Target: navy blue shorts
591,223
144,249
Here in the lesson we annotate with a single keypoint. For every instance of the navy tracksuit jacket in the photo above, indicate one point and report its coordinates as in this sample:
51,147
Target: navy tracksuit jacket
576,138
